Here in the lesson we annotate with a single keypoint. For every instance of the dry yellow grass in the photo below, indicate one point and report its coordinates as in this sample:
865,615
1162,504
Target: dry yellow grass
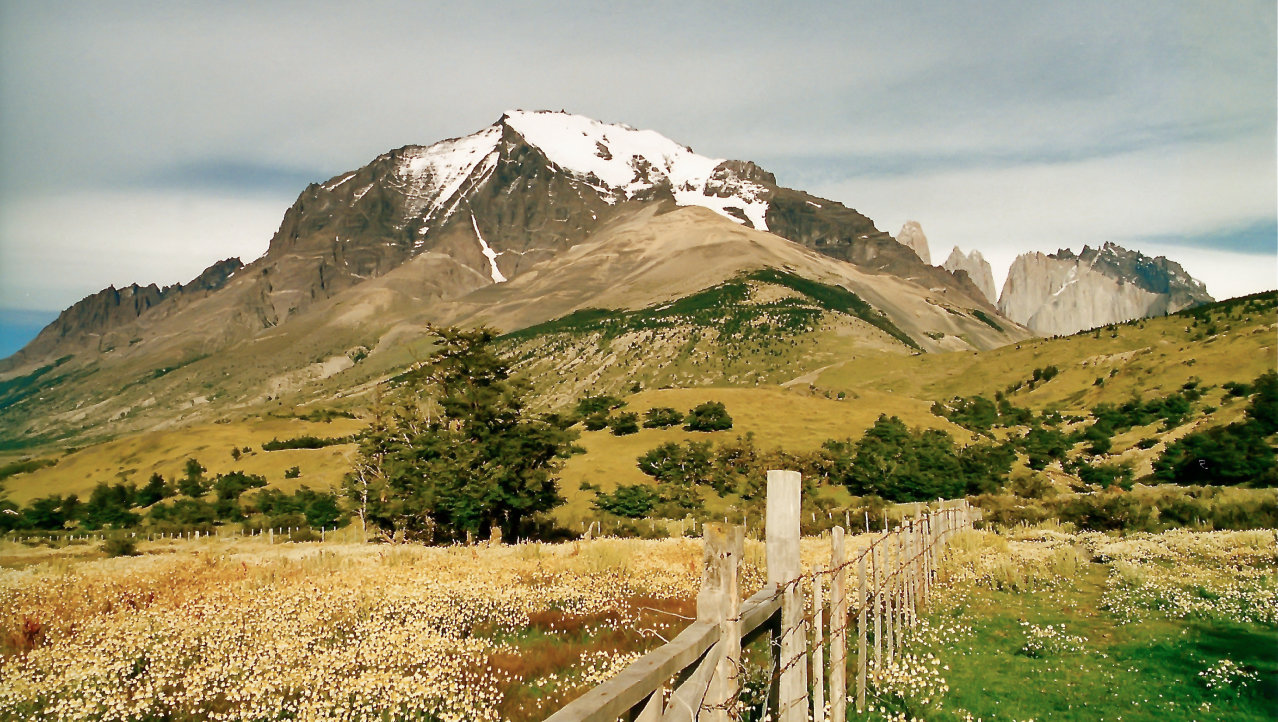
1153,358
134,458
778,418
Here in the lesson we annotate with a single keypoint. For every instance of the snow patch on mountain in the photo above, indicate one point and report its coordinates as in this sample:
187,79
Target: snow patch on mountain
621,162
488,252
433,175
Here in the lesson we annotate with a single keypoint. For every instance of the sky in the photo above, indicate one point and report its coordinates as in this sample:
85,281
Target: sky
141,142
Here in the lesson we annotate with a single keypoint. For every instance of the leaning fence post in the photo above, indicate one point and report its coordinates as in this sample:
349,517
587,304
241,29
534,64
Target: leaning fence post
720,601
838,627
784,569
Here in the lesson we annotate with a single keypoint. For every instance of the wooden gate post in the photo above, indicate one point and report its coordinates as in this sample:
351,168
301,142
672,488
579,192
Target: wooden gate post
784,569
902,614
838,627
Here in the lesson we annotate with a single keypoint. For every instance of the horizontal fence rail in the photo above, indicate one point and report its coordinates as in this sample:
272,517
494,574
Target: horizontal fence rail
697,675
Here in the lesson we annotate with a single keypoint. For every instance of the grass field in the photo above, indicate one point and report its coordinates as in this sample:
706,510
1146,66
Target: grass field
1052,625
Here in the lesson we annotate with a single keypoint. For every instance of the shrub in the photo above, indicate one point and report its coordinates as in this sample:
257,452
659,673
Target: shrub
120,546
710,416
661,417
590,405
596,421
304,442
1105,475
624,423
629,500
293,472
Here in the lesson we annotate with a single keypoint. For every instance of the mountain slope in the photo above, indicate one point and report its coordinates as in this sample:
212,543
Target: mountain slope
531,218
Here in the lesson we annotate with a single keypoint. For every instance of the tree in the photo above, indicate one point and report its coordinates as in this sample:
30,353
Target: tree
155,490
109,506
193,484
460,452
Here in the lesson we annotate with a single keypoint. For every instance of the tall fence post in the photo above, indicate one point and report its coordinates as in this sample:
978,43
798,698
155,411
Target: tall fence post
838,627
861,601
720,601
784,569
818,644
877,591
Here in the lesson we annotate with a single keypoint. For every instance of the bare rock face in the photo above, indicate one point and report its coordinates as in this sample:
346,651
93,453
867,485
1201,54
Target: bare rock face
1061,293
911,234
977,269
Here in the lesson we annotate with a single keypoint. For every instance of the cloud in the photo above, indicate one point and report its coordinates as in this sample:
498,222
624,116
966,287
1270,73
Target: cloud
993,123
61,248
1195,194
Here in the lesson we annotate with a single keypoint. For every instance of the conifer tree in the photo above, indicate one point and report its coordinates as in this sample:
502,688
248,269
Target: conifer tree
459,452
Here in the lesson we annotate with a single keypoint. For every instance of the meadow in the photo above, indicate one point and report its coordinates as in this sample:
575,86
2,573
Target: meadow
1033,622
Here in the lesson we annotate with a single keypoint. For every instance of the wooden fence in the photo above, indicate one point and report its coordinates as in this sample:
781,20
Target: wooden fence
285,534
698,675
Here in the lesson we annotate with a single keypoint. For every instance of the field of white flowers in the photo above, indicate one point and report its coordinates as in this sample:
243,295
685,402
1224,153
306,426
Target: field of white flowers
238,630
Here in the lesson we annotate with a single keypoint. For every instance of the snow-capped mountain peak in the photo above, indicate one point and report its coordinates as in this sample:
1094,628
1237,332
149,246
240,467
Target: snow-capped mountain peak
620,161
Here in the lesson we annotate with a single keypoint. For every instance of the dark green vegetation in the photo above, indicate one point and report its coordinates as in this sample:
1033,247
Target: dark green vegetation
19,388
889,462
176,505
1240,453
723,307
22,467
305,442
1149,509
458,454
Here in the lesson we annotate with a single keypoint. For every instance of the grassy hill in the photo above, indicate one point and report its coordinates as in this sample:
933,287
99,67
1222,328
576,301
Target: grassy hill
794,363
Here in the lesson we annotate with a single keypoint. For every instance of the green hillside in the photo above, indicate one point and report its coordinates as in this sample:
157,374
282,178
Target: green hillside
795,364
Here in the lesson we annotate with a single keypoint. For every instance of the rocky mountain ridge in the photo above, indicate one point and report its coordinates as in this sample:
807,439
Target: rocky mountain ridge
976,267
537,216
1062,293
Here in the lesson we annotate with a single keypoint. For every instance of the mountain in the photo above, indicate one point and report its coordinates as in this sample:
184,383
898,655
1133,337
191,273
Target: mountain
87,324
540,215
911,235
1063,293
977,269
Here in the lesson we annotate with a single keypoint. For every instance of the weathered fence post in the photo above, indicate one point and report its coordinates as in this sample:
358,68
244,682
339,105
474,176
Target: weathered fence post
889,600
784,569
861,601
877,591
838,627
720,601
818,645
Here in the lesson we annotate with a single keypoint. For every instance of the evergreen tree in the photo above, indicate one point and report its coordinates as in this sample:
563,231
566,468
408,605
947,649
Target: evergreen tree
460,453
